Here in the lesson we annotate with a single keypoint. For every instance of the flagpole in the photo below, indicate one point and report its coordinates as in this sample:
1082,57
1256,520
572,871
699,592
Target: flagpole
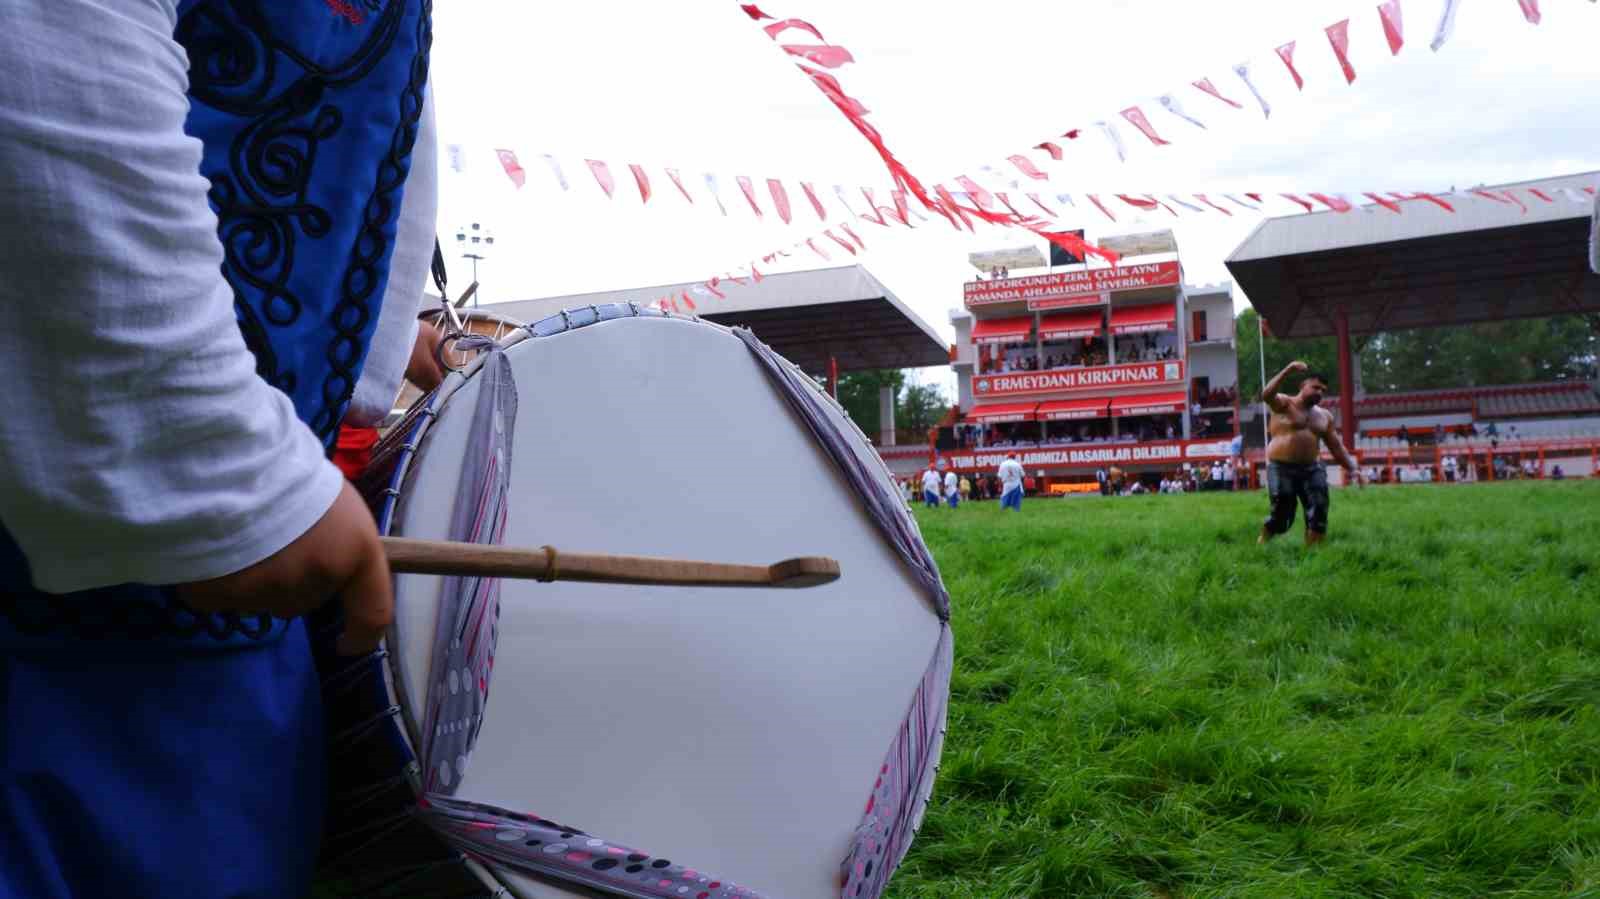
1266,411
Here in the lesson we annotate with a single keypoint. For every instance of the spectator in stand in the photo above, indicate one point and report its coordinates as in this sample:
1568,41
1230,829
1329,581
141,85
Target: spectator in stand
1404,436
1227,476
1216,475
1556,474
1449,466
930,488
1011,476
1438,434
952,489
966,489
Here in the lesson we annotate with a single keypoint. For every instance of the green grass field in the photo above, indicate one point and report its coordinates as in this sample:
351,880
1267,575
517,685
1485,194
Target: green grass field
1145,703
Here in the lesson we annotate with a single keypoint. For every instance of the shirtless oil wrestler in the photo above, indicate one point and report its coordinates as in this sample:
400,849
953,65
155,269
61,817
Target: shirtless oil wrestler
1294,458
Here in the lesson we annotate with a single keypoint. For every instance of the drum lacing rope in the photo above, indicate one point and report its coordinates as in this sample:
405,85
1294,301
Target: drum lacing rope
340,682
353,734
380,827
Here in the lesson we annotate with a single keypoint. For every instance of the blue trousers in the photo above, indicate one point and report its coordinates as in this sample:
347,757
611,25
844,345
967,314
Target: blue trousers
168,774
931,498
1012,499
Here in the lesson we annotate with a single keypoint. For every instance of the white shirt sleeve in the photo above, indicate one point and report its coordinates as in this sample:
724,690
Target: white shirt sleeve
137,442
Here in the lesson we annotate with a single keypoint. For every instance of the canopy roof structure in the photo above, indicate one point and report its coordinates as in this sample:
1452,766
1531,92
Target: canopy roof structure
1495,257
809,317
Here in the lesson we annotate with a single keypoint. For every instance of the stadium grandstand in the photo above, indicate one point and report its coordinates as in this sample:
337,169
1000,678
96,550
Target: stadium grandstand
1346,275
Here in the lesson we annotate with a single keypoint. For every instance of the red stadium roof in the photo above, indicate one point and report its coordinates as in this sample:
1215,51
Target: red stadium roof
1003,412
1002,330
1149,404
1070,410
1140,319
1070,325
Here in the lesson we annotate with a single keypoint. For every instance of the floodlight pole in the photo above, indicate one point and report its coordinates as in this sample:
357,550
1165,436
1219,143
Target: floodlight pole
1266,411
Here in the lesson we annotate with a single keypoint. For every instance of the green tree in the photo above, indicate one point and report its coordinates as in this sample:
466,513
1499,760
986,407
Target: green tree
918,407
1321,353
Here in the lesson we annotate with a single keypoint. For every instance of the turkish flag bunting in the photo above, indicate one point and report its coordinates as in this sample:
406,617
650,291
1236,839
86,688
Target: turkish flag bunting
780,198
508,161
1393,25
1508,198
811,194
1205,84
1134,115
841,243
1052,149
602,174
643,180
1256,197
1101,206
712,286
1296,199
902,209
953,207
812,244
1390,205
673,174
1222,209
1040,203
1339,37
749,194
845,227
1286,53
1006,202
1026,167
1137,203
872,208
983,198
777,28
826,55
1424,196
1541,195
1337,204
753,11
688,302
755,273
1530,10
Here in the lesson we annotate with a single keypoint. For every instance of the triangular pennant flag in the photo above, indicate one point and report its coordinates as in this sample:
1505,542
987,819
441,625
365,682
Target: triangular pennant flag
1286,53
1172,106
845,227
777,28
716,192
1530,10
1541,195
753,11
673,174
1006,202
602,175
1428,197
812,244
953,207
826,55
902,209
1026,167
555,169
508,161
1334,202
1189,206
1136,202
643,180
1339,38
1206,200
1052,149
873,215
780,198
749,189
1154,199
712,287
1039,203
816,204
983,198
1393,25
1066,200
458,162
1255,197
1136,116
1205,85
1307,205
1243,71
1250,206
1110,131
755,273
1100,206
838,191
1390,205
1573,195
837,240
688,302
1447,25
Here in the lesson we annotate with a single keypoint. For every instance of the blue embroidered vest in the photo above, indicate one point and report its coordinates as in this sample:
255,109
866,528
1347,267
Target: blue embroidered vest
307,111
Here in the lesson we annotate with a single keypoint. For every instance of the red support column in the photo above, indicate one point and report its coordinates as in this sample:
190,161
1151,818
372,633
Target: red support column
1347,383
833,377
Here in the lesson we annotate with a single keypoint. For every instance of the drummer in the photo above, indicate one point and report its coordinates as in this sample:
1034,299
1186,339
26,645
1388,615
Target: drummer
216,219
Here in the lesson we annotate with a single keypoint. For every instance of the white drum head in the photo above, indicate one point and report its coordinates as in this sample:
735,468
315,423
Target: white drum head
735,730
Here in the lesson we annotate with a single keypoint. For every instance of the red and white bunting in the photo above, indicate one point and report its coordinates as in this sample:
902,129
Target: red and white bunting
508,161
1339,38
1393,25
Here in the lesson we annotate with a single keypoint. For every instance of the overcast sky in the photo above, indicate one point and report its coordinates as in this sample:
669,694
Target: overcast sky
955,86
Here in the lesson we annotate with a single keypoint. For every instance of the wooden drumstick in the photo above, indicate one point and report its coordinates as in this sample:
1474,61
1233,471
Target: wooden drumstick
407,556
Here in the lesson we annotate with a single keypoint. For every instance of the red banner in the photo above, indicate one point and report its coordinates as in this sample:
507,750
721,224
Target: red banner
1078,380
1079,288
1092,455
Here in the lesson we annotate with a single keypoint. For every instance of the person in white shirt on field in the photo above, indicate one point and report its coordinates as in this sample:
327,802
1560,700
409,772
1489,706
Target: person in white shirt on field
930,488
1011,483
952,489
